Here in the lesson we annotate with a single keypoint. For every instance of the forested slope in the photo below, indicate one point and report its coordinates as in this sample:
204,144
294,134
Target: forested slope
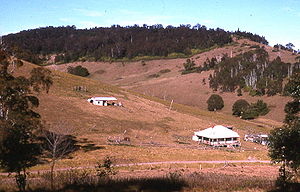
68,44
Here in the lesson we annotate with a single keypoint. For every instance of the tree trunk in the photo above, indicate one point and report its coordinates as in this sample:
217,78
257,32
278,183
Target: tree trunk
21,180
51,174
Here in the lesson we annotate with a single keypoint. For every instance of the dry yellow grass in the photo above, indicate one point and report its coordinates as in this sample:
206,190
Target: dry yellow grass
146,120
186,89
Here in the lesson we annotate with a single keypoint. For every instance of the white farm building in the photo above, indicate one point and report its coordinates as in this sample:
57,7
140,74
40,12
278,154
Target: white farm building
218,136
102,101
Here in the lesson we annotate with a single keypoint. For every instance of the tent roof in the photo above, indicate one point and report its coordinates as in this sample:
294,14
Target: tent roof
216,132
104,98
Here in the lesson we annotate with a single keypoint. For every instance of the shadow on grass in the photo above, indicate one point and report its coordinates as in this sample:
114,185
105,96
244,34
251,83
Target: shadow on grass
126,185
64,145
290,187
87,145
90,147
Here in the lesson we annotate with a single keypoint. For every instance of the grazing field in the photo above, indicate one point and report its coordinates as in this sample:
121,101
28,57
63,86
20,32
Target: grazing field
217,178
146,77
158,130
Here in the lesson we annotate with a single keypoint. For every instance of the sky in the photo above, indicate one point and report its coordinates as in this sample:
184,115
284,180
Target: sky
277,20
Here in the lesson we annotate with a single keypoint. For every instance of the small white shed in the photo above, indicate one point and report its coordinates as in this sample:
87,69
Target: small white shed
102,101
218,136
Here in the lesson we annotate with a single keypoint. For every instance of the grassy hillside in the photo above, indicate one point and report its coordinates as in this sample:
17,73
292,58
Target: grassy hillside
163,79
156,132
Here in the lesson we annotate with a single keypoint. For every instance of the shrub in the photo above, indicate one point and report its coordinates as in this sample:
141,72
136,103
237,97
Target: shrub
255,110
189,65
255,46
239,92
261,107
165,71
250,113
292,88
105,170
215,102
156,75
78,70
239,107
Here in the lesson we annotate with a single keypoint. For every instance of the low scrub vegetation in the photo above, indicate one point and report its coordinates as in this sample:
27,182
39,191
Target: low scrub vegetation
190,67
245,110
155,75
215,102
78,70
165,71
239,107
175,180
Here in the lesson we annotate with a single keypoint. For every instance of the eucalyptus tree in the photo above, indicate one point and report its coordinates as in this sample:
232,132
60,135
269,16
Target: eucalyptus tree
285,141
19,122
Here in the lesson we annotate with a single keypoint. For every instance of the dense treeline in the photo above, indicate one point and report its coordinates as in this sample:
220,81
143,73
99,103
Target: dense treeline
252,71
252,37
115,42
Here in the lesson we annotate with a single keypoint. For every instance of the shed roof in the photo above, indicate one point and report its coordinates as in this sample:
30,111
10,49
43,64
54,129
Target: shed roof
217,132
104,98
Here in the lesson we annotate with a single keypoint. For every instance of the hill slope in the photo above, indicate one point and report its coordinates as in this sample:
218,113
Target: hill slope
156,132
162,78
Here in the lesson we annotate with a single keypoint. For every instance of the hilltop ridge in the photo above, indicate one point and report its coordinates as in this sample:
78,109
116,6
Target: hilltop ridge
68,44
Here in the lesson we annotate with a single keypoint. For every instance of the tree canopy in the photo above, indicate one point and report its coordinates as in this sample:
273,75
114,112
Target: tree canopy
215,102
78,70
115,42
18,120
252,70
239,107
285,141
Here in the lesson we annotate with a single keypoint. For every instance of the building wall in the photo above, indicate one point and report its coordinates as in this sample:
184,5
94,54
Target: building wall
218,142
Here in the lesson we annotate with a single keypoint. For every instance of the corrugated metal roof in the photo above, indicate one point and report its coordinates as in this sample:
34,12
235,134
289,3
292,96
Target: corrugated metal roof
104,98
217,132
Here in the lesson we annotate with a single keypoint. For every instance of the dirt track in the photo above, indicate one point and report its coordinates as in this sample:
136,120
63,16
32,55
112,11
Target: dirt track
191,162
158,163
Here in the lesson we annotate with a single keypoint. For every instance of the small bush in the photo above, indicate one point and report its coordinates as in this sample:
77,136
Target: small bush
101,71
253,93
255,110
78,70
156,75
165,71
255,46
261,107
239,107
250,113
215,102
187,72
247,89
239,92
189,65
105,170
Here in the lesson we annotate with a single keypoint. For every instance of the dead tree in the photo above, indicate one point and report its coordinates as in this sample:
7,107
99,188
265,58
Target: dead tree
57,143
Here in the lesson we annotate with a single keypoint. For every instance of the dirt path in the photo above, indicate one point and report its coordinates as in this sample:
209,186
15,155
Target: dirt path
157,163
192,162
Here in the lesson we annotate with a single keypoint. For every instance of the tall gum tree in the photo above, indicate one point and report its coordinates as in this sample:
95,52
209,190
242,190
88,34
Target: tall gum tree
19,122
285,141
